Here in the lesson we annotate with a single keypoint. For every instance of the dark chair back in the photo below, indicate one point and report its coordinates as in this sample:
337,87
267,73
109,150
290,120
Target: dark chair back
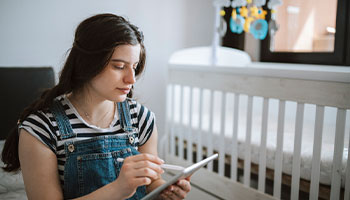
19,87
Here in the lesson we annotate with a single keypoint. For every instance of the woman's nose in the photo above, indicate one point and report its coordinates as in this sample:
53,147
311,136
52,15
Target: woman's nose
129,77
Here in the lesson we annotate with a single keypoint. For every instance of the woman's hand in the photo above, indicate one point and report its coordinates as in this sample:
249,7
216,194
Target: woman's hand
136,171
176,191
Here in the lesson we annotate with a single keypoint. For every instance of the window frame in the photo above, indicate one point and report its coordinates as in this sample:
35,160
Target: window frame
340,55
347,54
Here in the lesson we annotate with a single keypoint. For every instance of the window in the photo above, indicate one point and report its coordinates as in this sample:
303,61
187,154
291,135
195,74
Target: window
305,27
311,31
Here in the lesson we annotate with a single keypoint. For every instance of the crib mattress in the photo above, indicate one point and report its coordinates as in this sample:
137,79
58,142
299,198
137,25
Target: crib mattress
327,150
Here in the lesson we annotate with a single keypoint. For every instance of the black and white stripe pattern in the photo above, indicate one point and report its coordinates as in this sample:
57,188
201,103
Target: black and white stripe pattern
43,126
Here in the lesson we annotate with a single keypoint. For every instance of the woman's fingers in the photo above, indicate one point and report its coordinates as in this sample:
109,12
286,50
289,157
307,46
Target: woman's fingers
184,185
179,192
146,172
162,196
148,164
176,191
173,196
142,181
143,165
140,170
169,195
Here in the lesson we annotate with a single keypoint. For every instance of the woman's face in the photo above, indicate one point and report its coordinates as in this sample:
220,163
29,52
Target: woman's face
117,78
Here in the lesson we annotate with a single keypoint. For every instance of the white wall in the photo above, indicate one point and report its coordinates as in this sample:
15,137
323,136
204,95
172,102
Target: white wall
39,32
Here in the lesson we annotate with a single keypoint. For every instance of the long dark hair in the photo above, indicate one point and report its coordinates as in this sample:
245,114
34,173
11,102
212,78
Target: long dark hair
93,46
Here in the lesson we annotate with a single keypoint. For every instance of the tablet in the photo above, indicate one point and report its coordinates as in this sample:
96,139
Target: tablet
188,171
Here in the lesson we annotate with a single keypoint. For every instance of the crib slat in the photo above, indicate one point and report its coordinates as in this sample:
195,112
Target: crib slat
199,140
211,130
338,153
262,156
222,136
164,141
180,133
190,129
279,149
172,120
297,151
247,157
347,176
234,148
316,155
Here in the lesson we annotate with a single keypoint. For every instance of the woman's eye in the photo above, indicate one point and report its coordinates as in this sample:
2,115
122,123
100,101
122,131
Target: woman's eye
119,66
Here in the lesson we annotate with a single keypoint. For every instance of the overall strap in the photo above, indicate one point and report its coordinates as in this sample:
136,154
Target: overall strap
124,116
64,126
125,120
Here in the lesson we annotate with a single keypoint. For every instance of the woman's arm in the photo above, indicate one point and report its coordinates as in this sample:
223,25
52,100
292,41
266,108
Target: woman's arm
39,168
176,191
41,179
151,147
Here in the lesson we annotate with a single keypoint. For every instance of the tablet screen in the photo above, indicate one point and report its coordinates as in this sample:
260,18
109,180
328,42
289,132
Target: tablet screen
188,171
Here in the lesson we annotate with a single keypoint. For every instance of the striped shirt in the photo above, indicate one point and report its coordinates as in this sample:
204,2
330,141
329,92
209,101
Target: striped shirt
43,126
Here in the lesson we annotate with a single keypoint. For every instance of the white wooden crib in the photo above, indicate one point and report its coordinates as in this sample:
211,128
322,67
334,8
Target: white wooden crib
280,133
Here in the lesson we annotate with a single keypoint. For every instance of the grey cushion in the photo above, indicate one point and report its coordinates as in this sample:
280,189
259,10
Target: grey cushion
19,87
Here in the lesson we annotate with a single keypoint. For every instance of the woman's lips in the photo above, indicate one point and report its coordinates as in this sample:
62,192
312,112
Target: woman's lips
124,90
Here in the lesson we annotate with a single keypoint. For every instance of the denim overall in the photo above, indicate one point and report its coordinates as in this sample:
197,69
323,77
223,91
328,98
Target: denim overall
92,163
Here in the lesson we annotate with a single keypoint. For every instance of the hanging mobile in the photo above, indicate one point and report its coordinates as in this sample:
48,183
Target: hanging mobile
259,3
236,22
273,26
238,3
247,24
259,29
262,13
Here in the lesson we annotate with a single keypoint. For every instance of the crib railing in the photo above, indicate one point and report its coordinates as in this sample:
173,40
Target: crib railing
198,100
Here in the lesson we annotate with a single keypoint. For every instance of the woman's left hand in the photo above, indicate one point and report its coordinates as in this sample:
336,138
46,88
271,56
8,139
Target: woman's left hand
176,191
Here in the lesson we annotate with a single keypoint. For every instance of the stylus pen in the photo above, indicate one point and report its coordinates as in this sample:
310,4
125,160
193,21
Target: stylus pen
164,166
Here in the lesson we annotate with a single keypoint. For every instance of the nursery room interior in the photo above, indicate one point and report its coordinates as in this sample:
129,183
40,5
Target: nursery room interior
265,84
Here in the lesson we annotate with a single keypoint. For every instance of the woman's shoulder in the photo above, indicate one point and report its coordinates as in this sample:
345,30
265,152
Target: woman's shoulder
40,125
138,107
45,115
43,121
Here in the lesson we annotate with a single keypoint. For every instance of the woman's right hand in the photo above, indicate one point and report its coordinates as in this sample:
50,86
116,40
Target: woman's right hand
136,171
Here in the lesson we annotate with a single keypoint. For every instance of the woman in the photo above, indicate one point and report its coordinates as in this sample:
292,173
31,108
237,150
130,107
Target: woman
67,142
